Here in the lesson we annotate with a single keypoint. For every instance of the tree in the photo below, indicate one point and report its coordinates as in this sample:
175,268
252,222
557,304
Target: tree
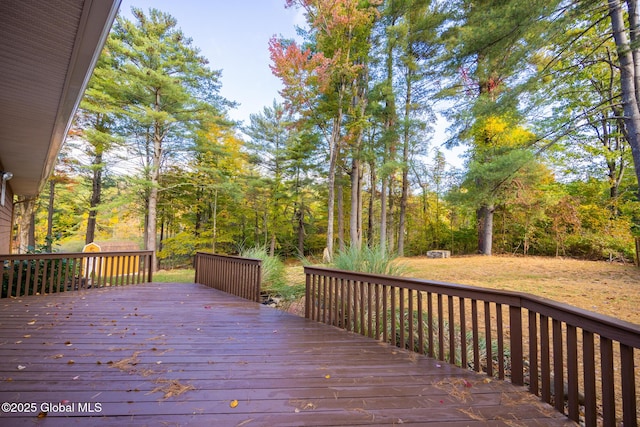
95,125
270,135
626,38
170,93
337,74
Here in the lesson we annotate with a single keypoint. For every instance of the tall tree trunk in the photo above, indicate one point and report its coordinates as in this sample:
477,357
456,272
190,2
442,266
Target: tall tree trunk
215,222
300,226
390,219
96,193
485,229
52,196
355,230
403,210
383,215
629,63
23,211
334,148
340,197
151,243
372,197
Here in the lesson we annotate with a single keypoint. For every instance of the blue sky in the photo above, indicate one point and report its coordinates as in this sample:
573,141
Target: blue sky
233,35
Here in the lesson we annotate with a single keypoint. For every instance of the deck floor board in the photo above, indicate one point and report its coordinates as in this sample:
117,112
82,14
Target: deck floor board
180,354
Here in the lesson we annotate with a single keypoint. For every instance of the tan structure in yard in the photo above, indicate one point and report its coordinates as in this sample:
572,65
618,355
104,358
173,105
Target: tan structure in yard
111,266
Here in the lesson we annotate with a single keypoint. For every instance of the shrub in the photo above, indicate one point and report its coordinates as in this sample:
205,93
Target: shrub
368,260
273,275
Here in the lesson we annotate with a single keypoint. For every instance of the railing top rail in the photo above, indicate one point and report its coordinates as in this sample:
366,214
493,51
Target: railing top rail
231,258
619,330
58,255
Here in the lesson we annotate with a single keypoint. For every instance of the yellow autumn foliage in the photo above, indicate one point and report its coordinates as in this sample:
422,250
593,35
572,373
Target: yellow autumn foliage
497,132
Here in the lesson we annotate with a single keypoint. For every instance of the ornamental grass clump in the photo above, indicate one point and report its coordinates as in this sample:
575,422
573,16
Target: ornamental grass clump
367,259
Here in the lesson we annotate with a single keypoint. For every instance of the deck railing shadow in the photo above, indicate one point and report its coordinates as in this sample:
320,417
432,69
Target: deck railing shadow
560,352
40,274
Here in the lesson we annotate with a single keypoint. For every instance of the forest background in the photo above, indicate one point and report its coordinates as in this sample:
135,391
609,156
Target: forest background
540,94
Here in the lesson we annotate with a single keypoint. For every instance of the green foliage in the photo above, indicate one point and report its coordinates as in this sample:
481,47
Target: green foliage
37,272
178,250
273,275
368,260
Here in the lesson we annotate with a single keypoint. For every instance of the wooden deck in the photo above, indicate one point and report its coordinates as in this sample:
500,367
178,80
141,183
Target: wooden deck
185,354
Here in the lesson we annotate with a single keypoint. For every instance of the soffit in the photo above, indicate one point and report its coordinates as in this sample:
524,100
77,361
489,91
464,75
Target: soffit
47,52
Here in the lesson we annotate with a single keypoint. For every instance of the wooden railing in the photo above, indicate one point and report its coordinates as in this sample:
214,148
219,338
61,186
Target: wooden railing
560,352
234,275
40,274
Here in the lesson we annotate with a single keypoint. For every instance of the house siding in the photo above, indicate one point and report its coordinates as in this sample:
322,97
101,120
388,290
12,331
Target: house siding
6,215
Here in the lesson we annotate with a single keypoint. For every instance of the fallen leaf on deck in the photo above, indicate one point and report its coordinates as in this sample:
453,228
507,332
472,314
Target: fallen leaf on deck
42,414
233,403
327,376
33,322
21,367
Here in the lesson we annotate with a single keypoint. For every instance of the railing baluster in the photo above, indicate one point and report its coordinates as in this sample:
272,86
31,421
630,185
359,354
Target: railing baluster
515,345
487,334
401,310
608,387
500,333
361,299
349,305
430,323
10,286
476,336
324,300
377,300
385,316
463,332
440,327
420,322
627,372
369,311
590,399
572,372
545,364
411,320
558,366
394,340
452,337
534,385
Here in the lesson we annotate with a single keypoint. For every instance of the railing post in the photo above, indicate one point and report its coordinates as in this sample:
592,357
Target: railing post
307,296
515,342
258,281
197,262
150,266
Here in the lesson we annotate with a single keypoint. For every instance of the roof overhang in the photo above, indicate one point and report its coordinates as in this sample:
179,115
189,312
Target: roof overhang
48,50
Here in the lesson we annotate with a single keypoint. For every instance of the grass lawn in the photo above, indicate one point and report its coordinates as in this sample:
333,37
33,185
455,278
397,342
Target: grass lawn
178,276
607,288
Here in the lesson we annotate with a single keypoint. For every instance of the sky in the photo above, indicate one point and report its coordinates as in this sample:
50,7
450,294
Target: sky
233,35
